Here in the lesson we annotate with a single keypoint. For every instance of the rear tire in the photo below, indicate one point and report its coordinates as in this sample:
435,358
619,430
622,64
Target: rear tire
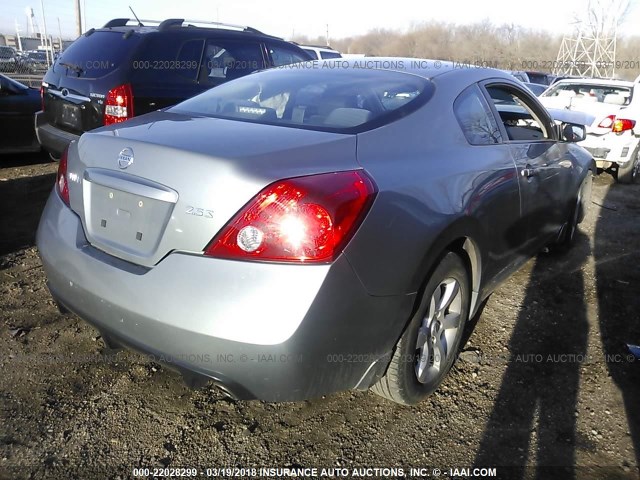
429,345
630,171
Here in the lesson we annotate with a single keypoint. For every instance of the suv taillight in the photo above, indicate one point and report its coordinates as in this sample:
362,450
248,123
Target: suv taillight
607,122
299,220
42,97
62,183
118,104
622,124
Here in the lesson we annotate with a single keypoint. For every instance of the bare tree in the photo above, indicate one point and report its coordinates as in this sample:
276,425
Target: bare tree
506,46
604,16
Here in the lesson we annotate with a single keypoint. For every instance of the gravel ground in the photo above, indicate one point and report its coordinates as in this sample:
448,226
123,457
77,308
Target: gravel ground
543,381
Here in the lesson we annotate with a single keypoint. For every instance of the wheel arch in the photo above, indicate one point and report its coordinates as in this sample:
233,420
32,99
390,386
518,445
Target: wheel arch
465,239
469,252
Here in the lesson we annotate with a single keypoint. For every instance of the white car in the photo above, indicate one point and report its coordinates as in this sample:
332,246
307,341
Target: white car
613,138
320,53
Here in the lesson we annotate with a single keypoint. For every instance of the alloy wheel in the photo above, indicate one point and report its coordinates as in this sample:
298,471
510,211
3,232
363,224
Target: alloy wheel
438,331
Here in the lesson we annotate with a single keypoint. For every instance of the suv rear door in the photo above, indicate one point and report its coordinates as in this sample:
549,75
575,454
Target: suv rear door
164,70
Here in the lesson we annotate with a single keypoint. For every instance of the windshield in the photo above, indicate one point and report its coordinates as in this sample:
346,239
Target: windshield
612,94
332,98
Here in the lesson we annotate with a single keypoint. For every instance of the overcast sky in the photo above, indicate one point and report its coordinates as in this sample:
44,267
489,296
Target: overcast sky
287,17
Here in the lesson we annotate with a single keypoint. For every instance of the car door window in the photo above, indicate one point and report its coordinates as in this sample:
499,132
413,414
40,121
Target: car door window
284,56
476,118
226,60
521,119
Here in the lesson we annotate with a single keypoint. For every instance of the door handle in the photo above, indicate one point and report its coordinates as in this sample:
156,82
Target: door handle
529,172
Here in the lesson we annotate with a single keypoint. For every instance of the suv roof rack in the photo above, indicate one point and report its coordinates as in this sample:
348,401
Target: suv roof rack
177,22
123,22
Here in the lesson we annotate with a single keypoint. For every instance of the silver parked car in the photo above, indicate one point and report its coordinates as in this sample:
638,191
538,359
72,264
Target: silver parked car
302,231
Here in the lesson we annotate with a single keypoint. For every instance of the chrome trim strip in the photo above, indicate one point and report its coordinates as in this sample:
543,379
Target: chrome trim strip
70,96
130,184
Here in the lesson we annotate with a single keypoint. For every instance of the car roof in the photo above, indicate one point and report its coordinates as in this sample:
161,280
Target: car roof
14,82
426,68
594,81
318,47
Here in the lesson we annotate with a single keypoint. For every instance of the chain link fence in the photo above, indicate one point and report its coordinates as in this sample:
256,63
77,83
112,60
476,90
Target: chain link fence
28,80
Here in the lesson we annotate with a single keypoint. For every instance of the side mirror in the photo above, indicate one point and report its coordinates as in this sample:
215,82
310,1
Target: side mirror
572,132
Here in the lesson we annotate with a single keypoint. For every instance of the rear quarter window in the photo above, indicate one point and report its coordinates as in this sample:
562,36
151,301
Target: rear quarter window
476,118
281,55
311,53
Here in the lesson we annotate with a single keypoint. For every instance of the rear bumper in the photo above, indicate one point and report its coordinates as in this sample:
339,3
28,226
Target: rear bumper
51,138
611,148
266,331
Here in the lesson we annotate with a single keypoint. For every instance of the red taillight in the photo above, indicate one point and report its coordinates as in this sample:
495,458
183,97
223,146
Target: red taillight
303,220
622,125
607,122
118,105
62,183
42,97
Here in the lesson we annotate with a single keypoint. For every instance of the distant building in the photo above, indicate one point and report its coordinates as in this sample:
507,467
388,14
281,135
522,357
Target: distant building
32,43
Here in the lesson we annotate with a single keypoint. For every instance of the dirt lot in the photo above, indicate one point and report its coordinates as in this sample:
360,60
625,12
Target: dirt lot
545,380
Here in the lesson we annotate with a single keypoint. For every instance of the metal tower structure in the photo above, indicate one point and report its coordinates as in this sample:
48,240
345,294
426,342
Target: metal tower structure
587,52
590,50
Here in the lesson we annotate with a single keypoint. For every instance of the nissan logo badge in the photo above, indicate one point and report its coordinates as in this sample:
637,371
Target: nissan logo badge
125,158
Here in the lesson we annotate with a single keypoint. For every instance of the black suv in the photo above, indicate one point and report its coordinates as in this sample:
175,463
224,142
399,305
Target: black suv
113,73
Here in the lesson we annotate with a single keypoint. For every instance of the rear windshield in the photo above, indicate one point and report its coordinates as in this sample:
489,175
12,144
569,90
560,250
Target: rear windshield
96,55
332,99
615,95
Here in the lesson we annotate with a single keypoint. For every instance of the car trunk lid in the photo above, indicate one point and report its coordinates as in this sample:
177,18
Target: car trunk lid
165,182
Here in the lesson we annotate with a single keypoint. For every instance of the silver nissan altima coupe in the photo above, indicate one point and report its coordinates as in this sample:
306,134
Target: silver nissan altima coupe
316,228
